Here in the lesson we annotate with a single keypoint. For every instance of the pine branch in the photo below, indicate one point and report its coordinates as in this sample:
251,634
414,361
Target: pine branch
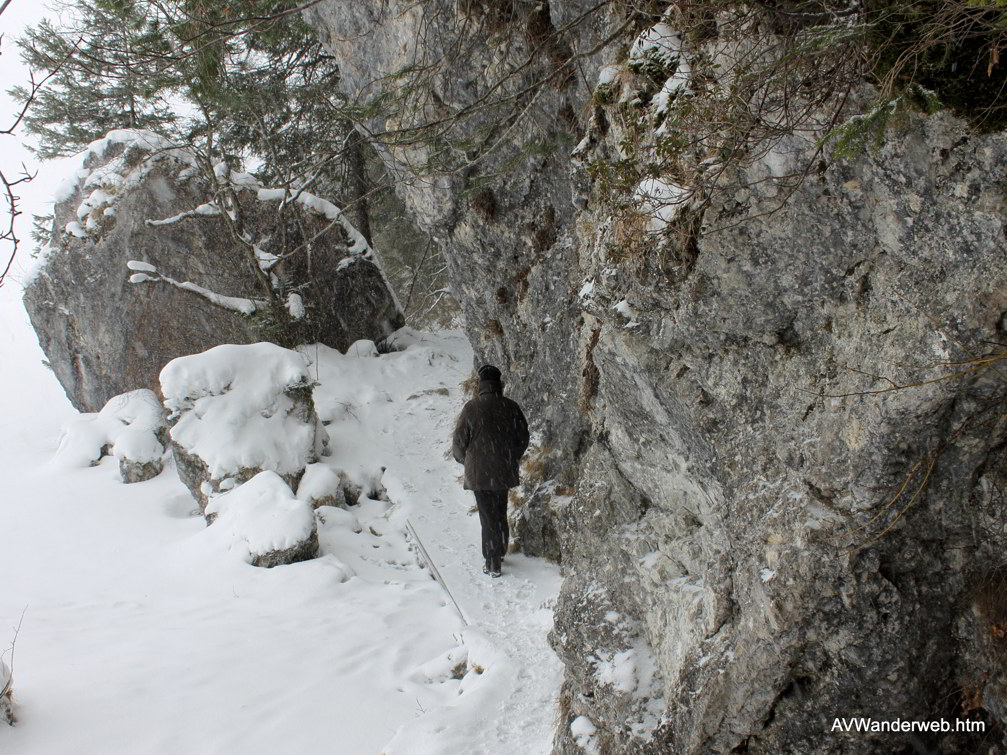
145,273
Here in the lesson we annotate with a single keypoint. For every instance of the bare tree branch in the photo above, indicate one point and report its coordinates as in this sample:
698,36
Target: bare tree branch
9,234
13,643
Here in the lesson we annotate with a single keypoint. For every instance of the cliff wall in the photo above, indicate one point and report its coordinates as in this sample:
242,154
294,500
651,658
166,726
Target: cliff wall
771,446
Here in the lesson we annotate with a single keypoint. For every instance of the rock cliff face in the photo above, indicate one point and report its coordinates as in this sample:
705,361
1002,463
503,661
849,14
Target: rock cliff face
769,512
792,536
508,235
104,335
761,529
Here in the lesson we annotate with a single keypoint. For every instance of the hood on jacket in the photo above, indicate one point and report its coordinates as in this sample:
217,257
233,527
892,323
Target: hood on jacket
490,386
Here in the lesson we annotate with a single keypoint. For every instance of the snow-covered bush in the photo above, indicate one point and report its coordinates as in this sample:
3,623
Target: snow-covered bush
130,426
6,693
264,522
239,410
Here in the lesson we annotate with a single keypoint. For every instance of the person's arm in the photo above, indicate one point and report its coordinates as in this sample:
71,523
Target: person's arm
461,437
522,433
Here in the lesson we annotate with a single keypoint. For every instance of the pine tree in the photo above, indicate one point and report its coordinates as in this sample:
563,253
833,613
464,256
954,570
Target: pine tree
252,77
111,72
265,85
278,101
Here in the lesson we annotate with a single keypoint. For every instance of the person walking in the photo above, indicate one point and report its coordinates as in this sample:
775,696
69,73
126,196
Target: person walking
489,439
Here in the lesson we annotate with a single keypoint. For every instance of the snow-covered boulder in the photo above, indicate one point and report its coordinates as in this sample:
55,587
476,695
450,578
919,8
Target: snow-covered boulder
237,410
264,522
322,485
130,427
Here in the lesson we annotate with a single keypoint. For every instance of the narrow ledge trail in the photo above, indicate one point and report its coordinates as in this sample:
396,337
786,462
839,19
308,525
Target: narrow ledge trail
506,701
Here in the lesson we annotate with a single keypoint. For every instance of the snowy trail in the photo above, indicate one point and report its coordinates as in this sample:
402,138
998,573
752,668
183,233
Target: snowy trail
508,617
510,706
144,634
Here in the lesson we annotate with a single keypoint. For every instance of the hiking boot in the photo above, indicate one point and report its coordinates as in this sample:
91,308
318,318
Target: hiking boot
494,568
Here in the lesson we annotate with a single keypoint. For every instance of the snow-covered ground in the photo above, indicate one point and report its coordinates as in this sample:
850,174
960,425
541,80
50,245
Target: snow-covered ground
141,633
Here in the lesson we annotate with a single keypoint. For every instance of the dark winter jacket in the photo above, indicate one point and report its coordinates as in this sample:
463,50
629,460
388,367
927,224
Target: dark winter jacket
490,437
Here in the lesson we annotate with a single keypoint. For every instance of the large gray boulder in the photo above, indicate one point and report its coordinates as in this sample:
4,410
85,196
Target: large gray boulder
101,335
199,280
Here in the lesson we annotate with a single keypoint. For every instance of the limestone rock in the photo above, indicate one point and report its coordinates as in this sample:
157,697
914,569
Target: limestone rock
786,528
139,471
305,550
101,335
321,485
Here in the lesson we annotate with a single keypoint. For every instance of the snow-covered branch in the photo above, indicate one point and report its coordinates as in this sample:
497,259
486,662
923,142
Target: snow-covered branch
358,244
205,210
146,273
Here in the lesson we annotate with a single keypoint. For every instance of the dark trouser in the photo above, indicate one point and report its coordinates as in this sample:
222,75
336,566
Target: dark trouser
493,517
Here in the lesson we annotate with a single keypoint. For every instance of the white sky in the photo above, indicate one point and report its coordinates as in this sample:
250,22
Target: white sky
31,401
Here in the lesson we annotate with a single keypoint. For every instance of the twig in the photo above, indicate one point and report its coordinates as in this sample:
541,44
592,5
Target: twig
13,642
978,366
416,273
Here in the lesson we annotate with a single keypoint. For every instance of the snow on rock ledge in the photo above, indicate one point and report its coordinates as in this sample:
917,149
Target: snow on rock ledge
130,426
264,523
238,410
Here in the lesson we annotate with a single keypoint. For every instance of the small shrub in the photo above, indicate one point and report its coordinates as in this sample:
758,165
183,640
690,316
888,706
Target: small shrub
533,466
